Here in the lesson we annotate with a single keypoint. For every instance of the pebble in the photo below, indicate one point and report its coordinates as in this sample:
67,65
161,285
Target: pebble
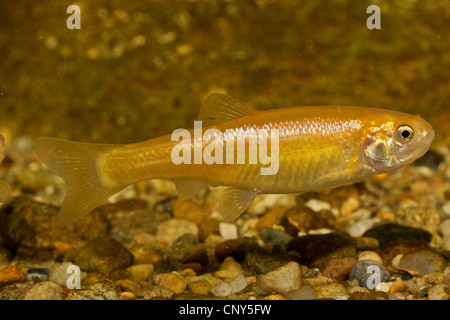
396,286
32,225
349,206
438,292
303,219
444,228
127,296
330,290
370,255
189,210
318,205
187,249
58,273
170,230
40,274
128,285
366,243
100,290
126,221
391,234
141,272
228,231
423,261
265,260
395,262
145,248
384,287
367,277
229,269
271,218
173,281
283,279
274,236
11,274
157,292
104,254
446,209
46,290
302,293
317,250
229,286
359,228
338,268
202,284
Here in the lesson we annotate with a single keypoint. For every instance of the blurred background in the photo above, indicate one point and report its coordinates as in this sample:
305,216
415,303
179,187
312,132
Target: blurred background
140,69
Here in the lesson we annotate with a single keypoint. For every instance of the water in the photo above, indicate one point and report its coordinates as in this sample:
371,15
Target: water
139,70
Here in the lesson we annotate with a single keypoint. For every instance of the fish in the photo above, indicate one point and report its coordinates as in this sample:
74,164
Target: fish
316,147
5,189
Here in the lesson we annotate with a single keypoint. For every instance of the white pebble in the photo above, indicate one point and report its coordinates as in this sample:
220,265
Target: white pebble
446,209
317,205
370,255
228,231
444,227
229,286
396,260
358,228
384,286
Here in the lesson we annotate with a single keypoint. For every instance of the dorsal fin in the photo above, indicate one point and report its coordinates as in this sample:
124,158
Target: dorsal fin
218,108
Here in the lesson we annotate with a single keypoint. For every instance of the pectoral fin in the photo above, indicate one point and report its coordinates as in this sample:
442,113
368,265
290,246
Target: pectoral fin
234,201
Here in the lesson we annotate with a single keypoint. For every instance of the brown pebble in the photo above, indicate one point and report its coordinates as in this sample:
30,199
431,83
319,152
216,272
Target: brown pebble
173,281
128,285
11,274
127,296
338,268
396,286
189,210
271,218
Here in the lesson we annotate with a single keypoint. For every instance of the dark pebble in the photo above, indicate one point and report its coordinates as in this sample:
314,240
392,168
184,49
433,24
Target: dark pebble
186,249
302,218
237,248
27,224
263,261
421,293
400,274
430,159
365,276
317,250
391,234
38,273
104,254
274,236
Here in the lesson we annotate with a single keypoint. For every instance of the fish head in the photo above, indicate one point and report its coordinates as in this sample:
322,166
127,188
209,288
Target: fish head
394,140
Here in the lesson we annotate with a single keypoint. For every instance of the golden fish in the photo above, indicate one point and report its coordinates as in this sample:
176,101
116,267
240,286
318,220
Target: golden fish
315,148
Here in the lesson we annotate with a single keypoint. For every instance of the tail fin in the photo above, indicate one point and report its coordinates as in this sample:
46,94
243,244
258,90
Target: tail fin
75,162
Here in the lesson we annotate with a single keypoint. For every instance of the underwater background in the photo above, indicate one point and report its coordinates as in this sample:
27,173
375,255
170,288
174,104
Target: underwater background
137,70
141,69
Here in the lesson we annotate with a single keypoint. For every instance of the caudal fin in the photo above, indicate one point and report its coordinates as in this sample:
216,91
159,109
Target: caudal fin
75,162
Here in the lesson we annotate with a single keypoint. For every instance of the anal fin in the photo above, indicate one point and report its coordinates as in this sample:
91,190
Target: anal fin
187,188
234,201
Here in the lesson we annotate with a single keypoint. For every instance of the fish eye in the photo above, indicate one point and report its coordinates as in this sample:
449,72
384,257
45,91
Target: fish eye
405,133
